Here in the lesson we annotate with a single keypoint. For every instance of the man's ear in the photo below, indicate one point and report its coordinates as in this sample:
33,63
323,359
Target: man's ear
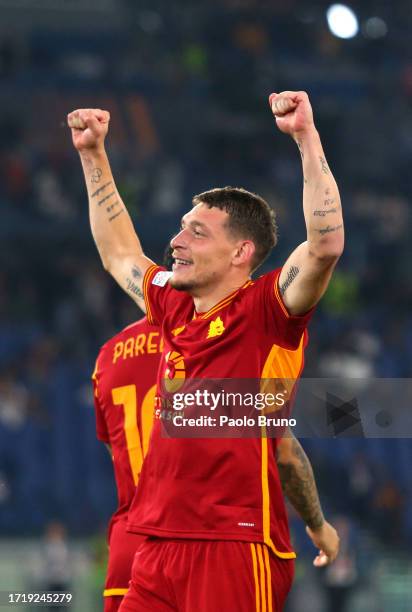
243,253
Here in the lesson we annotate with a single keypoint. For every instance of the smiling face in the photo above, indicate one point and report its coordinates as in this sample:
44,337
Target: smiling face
204,251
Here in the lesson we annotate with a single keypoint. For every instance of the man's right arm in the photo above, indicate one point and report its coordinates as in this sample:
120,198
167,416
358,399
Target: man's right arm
112,228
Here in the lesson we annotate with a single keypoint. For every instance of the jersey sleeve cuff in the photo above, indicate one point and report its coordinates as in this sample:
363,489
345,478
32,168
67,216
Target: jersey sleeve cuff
147,279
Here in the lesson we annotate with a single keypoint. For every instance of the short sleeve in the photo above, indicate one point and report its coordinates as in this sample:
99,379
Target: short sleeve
158,294
277,321
101,426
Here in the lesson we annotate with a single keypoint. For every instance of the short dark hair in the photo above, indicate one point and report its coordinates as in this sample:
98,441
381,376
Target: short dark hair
250,217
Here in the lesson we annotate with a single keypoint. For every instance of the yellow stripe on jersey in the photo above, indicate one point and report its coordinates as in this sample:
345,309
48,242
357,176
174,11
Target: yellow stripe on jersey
278,298
112,592
268,578
146,277
224,302
255,576
282,364
218,306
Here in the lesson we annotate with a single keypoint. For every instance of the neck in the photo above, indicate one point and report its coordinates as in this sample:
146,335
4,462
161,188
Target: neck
205,302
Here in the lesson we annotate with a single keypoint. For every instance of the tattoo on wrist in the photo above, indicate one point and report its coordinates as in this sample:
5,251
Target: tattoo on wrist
96,175
323,213
290,277
325,168
329,229
102,188
299,486
133,288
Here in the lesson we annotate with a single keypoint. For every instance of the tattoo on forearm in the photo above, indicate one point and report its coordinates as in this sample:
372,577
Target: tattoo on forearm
110,208
325,168
290,277
116,215
96,175
299,486
133,288
328,229
102,188
100,202
136,272
328,201
323,213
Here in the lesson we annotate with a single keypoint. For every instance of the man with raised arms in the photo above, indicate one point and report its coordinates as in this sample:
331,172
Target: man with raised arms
213,508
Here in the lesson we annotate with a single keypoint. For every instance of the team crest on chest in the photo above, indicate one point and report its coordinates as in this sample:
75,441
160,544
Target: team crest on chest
216,328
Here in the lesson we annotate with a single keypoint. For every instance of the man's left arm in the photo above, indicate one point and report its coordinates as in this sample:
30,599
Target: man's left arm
299,486
305,275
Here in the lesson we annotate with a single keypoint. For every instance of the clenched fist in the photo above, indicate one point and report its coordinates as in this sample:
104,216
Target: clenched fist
89,127
292,111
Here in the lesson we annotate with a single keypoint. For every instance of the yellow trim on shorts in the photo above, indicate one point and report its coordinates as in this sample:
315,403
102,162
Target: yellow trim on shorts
255,575
112,592
268,578
262,577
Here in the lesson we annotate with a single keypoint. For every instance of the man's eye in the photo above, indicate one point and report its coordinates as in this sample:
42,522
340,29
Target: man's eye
197,233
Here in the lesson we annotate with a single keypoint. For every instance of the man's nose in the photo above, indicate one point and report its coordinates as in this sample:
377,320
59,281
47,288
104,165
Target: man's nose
178,240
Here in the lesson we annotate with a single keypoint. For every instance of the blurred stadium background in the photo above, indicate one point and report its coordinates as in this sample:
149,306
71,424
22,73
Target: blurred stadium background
186,84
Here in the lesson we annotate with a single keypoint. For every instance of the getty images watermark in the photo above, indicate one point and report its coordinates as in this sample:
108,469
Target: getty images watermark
224,408
226,402
310,408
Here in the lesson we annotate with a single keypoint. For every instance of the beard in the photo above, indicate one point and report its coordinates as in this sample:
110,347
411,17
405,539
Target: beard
192,285
182,285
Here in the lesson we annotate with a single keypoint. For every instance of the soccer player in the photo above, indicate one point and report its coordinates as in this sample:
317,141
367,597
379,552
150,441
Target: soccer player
124,383
213,508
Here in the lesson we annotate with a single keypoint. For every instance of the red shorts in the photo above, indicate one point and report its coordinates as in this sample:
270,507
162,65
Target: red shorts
122,549
207,576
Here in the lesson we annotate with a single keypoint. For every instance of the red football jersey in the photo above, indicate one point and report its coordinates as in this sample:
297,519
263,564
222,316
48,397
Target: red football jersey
124,396
221,489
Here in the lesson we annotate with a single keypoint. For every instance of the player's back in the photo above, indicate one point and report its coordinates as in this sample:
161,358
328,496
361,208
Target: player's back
125,387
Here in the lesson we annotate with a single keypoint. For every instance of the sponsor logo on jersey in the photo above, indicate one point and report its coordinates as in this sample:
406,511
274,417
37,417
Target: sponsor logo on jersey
175,372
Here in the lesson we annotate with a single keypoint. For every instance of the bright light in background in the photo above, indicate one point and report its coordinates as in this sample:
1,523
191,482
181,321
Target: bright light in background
342,21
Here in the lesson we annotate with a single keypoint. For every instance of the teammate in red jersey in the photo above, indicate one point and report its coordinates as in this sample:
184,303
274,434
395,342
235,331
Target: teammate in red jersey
124,383
213,508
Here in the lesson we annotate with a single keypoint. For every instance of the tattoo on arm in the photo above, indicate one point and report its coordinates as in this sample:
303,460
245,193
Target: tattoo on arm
324,165
290,277
116,215
136,272
328,229
323,213
133,288
100,202
298,484
102,188
328,201
96,175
